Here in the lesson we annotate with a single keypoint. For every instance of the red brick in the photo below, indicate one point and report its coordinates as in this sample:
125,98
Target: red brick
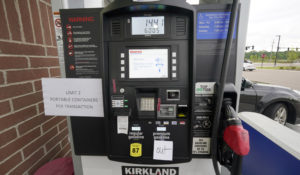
38,85
55,72
24,75
27,100
26,20
3,29
7,136
32,123
4,108
24,166
41,107
64,142
13,20
63,125
51,123
52,51
54,151
17,117
47,1
13,62
18,144
21,49
39,142
1,78
15,90
45,24
36,21
69,154
64,151
54,141
50,15
44,62
10,163
48,157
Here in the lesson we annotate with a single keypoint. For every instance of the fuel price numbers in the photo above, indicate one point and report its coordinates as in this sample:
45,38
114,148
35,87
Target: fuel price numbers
154,25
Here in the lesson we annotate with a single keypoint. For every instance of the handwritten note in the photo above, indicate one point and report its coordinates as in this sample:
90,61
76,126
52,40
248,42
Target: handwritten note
163,150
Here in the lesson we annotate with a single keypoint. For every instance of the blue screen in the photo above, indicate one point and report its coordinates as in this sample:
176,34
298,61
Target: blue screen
213,25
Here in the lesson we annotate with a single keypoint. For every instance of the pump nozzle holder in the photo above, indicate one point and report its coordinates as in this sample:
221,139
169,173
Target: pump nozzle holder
235,136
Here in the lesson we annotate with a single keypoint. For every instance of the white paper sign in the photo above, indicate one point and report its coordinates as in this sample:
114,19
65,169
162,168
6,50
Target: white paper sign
73,97
122,122
163,150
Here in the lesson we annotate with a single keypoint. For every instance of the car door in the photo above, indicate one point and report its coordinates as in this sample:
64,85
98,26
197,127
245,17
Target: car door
248,97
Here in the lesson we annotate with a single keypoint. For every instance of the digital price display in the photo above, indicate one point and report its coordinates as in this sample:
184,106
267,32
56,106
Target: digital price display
154,25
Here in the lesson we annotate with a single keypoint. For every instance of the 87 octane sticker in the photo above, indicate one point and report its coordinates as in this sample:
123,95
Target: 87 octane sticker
201,145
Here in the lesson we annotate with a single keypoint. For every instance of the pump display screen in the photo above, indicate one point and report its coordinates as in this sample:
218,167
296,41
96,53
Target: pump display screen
148,63
154,25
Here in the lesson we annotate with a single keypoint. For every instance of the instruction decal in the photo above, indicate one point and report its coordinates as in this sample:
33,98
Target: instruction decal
73,97
201,145
213,25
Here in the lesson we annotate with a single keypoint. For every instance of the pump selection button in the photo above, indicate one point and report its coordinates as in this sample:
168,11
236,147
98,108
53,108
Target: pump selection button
122,55
122,68
174,75
135,150
135,128
122,62
122,75
166,122
174,54
174,61
161,129
174,68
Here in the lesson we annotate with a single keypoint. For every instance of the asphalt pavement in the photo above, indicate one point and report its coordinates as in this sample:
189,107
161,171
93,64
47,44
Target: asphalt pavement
277,77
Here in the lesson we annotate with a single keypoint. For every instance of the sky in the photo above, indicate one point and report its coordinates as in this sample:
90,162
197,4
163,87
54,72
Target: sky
269,18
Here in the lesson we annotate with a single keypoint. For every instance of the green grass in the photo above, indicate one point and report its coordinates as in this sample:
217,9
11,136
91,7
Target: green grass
281,68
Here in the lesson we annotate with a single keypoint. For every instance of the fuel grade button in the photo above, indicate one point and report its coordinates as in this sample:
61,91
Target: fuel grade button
135,150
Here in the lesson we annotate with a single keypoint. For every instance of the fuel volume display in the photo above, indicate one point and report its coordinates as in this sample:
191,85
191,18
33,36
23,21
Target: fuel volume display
153,25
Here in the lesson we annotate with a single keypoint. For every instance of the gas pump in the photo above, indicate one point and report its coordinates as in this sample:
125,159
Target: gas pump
168,77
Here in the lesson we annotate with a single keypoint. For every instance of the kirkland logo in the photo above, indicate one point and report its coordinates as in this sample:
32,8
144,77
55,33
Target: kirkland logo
150,170
82,19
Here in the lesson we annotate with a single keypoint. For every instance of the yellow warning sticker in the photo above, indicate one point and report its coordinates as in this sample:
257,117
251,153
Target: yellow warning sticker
136,150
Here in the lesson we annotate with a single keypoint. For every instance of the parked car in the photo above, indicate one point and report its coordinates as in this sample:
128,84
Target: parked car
248,65
279,103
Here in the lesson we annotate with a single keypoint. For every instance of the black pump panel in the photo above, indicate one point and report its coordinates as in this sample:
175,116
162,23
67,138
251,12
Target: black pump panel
159,72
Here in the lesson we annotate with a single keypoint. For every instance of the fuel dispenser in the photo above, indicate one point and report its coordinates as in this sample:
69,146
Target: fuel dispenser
168,73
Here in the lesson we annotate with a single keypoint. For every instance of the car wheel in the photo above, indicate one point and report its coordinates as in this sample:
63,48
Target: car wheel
278,112
244,69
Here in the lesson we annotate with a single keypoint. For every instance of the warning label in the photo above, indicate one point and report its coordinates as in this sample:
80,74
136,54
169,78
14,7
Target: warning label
201,145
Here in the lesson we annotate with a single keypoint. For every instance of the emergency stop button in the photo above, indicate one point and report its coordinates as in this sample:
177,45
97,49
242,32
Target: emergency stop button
136,150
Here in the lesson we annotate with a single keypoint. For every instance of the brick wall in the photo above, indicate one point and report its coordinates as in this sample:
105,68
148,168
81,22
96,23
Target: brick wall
28,139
